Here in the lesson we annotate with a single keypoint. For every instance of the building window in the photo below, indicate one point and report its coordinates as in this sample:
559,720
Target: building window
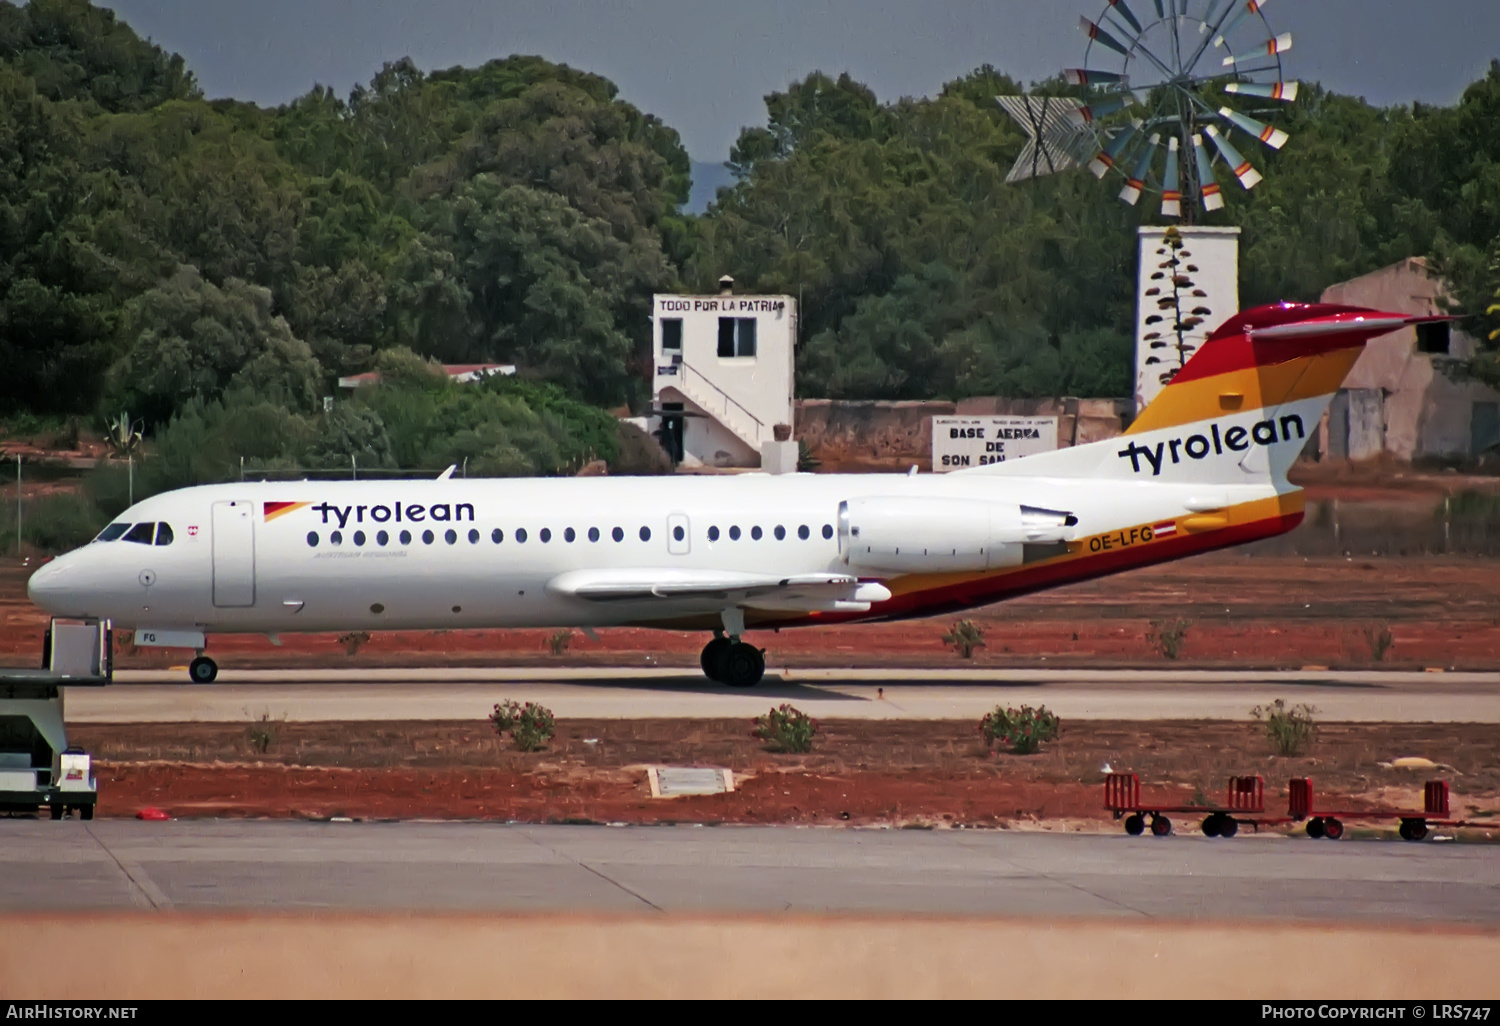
736,336
671,335
1433,338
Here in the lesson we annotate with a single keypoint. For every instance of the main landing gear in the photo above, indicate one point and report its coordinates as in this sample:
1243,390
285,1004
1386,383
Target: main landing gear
203,670
728,660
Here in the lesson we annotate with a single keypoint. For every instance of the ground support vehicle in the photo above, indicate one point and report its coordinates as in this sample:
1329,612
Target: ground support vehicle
1244,803
1415,824
38,768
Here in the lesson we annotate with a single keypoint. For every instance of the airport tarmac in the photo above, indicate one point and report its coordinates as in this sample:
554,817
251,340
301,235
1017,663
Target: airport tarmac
636,693
496,868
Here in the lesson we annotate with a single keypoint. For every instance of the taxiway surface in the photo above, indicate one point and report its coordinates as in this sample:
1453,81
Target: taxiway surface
430,867
469,694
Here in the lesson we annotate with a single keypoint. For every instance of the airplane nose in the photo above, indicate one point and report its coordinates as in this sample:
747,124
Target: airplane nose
48,587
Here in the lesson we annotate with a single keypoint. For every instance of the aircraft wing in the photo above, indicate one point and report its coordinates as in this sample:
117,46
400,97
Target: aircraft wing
714,589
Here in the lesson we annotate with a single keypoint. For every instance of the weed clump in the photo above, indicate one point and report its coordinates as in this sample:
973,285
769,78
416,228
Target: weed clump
1167,636
1021,730
1288,728
263,733
786,729
964,638
353,640
560,641
530,726
1378,637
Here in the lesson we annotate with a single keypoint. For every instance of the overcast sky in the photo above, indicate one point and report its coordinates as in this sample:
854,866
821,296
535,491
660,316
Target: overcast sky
703,66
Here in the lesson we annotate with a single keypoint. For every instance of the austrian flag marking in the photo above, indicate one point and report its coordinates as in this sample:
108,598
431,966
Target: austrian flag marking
280,509
1164,530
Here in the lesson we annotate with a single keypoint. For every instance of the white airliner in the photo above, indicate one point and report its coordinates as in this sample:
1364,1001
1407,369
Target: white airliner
1203,467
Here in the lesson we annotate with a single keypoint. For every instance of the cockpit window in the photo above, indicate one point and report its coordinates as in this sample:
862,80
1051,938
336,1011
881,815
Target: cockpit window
112,532
164,534
142,533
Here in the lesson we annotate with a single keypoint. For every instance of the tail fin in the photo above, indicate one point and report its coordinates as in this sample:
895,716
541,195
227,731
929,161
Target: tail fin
1241,410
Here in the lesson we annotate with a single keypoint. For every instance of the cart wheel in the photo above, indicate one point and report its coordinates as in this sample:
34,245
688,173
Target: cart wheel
1333,829
1315,828
1135,825
1161,826
1416,829
1229,827
85,812
1212,826
56,810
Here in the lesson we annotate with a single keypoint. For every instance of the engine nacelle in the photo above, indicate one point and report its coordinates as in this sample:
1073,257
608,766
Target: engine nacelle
933,535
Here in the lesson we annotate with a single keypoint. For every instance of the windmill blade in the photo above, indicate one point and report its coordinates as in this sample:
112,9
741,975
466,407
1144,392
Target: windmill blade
1272,137
1215,9
1105,158
1055,138
1248,176
1250,7
1171,193
1124,11
1102,37
1131,194
1159,12
1104,107
1208,188
1281,44
1087,77
1286,92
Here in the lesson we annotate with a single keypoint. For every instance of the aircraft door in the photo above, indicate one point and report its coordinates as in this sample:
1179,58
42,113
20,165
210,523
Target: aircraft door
234,554
679,535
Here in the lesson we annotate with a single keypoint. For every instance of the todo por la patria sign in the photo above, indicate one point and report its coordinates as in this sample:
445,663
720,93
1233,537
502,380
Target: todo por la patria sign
962,442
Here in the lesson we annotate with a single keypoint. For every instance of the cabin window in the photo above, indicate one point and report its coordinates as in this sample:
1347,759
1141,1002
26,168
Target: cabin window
645,534
473,536
678,533
112,532
497,536
450,536
382,539
405,537
359,537
521,536
827,532
164,534
428,538
618,534
593,534
803,532
736,337
336,538
671,335
713,534
734,533
545,535
141,534
570,536
780,533
312,539
755,534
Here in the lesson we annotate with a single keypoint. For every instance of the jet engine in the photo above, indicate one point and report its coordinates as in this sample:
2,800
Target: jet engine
933,535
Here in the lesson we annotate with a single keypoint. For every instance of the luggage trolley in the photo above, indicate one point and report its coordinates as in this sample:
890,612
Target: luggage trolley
1329,822
37,765
1244,798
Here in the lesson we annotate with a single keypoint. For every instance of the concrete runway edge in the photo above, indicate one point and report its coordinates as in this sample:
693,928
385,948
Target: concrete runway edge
143,956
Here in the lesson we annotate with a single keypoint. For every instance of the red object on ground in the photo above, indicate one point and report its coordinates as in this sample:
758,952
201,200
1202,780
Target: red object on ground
152,814
1414,823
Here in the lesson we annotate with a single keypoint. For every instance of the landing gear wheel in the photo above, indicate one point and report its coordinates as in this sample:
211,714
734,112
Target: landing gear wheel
1333,829
744,666
1413,829
1212,826
203,670
1229,826
1161,826
1135,825
712,659
85,812
1315,828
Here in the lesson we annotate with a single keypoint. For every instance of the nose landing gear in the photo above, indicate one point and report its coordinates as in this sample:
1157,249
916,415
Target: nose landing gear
203,670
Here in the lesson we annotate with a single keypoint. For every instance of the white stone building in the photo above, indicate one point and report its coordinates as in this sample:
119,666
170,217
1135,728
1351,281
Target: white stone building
722,379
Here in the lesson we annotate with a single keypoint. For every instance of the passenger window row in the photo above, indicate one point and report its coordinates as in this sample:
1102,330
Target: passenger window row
520,537
141,534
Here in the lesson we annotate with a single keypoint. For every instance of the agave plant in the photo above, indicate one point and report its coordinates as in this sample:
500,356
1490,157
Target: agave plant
123,435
